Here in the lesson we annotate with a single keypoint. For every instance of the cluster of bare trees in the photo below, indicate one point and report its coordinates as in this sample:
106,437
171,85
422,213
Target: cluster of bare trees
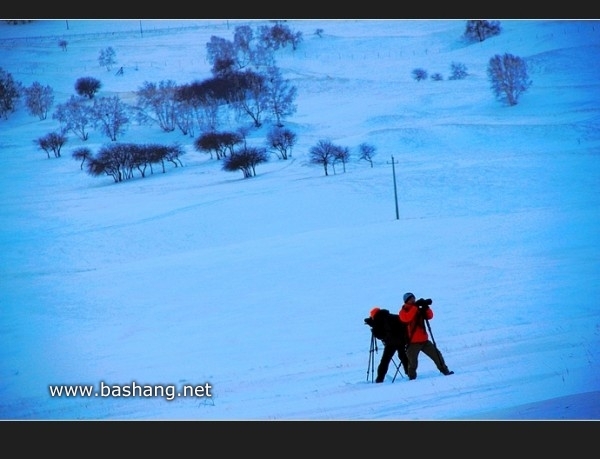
258,92
250,47
245,80
458,71
219,143
327,154
232,148
109,114
257,96
52,142
121,160
226,147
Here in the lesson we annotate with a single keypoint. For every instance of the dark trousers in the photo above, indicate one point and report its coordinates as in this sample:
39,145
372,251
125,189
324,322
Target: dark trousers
428,348
389,349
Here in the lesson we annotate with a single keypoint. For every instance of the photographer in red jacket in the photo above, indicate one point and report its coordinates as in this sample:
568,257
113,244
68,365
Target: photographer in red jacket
414,314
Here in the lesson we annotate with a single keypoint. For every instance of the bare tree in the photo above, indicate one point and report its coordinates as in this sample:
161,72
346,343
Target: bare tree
458,71
208,143
221,55
219,142
159,101
480,30
250,95
366,152
243,37
82,154
38,99
112,160
229,140
185,109
10,93
419,74
87,87
279,36
281,140
323,153
245,160
207,113
280,95
244,51
173,154
206,98
508,77
75,116
160,154
111,115
107,58
52,142
184,117
340,155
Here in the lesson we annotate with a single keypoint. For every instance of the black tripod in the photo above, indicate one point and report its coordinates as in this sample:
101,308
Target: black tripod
371,367
372,351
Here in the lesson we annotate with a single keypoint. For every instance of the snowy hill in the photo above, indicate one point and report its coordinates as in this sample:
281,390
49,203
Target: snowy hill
259,287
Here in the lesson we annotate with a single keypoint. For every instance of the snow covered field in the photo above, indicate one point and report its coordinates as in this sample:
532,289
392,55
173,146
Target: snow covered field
259,286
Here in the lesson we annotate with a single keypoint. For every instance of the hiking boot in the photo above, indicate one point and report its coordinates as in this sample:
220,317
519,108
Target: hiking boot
410,378
447,372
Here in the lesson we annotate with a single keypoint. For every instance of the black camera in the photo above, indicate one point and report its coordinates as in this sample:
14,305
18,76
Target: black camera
422,302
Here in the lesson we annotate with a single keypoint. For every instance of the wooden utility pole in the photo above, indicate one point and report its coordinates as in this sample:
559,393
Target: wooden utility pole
395,188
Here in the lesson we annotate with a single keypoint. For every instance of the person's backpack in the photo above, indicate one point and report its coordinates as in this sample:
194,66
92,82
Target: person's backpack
380,323
385,325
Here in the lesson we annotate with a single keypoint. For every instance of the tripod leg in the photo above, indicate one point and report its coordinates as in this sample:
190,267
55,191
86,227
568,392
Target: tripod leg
371,359
397,370
445,369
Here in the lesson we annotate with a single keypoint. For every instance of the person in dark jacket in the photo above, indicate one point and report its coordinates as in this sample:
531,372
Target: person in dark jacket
413,314
388,328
